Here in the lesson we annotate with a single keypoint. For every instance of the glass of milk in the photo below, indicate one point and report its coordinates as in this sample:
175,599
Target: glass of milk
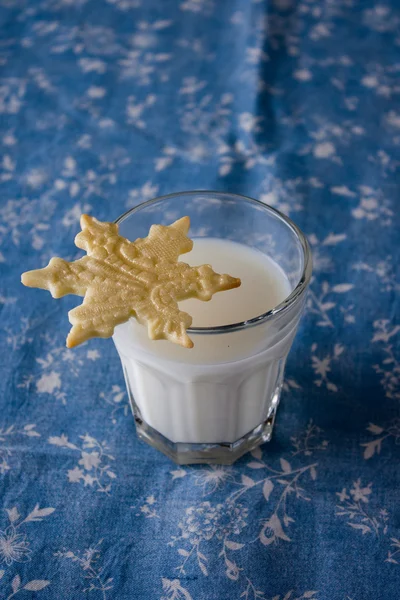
218,400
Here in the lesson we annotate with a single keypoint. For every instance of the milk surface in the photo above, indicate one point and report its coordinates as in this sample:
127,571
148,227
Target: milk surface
264,284
223,387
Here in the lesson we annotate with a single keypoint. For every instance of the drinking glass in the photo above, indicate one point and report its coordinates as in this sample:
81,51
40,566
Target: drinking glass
217,409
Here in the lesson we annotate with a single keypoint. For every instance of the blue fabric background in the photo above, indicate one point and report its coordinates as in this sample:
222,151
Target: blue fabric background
104,104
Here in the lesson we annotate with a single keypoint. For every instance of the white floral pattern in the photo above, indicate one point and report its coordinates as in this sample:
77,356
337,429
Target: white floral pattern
93,468
108,103
323,366
389,367
351,505
92,572
117,398
220,523
391,430
15,549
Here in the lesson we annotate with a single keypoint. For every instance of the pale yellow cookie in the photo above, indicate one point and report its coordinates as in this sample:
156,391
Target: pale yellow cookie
120,279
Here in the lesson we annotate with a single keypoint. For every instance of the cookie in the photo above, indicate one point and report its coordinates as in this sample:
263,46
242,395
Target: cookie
120,279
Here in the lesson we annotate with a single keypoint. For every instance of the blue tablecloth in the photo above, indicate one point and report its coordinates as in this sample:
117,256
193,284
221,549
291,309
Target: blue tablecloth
106,103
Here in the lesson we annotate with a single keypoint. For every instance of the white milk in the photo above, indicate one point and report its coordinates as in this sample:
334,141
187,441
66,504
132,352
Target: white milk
225,386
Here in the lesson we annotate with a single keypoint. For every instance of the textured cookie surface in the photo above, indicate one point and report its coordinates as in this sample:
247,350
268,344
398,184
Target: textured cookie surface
120,279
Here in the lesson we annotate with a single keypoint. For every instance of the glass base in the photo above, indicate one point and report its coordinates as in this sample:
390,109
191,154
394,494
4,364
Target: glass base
221,454
187,453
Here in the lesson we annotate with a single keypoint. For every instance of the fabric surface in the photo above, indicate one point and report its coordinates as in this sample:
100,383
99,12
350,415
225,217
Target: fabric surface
106,103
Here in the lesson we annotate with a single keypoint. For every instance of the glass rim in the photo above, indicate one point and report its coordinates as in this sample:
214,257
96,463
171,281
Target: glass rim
280,308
